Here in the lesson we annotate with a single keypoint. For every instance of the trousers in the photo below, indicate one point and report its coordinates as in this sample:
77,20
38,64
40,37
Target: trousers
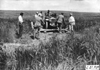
20,29
71,26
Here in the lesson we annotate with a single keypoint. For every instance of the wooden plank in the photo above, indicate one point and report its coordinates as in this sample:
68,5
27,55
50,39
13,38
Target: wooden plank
48,29
53,30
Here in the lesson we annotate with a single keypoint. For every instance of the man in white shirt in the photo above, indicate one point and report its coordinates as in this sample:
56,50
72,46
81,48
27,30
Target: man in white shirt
71,22
20,24
38,22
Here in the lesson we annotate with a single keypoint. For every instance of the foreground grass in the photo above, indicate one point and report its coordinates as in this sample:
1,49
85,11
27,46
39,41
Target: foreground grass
68,53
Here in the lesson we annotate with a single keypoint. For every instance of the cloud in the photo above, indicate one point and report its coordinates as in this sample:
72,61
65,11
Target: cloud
76,0
67,5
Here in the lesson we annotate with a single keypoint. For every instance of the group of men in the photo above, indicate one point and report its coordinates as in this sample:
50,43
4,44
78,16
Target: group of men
41,20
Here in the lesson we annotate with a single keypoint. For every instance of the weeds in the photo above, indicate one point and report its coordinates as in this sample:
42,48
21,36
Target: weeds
57,54
69,53
8,29
3,59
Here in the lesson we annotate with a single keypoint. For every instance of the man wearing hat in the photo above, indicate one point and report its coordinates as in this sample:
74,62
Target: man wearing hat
71,22
38,21
60,21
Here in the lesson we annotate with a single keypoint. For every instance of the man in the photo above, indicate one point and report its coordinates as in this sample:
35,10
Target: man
53,20
20,24
71,22
49,13
60,21
40,14
47,19
38,21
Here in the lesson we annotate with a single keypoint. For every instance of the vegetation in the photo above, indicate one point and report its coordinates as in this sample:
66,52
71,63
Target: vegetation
8,25
69,53
8,29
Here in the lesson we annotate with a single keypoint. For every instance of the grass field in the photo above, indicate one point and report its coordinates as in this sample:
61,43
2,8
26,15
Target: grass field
69,52
9,19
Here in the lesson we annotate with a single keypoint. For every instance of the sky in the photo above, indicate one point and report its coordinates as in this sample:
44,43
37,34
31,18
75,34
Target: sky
64,5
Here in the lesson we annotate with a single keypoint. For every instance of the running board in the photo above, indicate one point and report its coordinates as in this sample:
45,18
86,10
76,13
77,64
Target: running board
43,30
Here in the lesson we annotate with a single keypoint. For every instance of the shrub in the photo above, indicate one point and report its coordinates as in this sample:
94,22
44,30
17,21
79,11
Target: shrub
3,59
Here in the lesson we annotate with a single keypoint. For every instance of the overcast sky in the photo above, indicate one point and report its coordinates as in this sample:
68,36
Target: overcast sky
67,5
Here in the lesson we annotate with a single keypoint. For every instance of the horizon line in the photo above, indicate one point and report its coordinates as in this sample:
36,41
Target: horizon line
52,10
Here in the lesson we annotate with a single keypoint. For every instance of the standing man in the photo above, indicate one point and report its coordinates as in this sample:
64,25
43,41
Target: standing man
49,13
40,14
60,21
71,22
47,17
20,25
38,21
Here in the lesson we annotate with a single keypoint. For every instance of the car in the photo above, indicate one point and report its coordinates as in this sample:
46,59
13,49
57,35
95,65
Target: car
51,22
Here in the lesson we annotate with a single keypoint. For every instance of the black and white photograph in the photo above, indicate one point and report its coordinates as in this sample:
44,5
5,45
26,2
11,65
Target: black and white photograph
49,34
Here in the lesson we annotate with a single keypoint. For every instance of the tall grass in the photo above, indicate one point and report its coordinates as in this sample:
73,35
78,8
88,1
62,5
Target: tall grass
70,52
57,54
8,29
3,59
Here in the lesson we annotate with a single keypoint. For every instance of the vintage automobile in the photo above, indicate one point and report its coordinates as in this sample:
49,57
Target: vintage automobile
51,22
